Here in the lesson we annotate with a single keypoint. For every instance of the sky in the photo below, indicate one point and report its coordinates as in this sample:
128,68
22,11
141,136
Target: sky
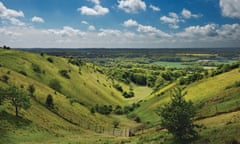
120,23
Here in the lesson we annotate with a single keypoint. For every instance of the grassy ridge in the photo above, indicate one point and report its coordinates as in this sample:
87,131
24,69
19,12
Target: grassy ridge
78,94
210,95
84,85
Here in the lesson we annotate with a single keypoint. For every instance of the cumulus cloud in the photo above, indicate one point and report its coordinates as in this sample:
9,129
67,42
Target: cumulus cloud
131,6
130,23
230,8
172,19
154,8
84,22
11,15
152,31
95,11
65,32
145,29
107,32
188,14
97,2
37,19
208,30
91,28
147,36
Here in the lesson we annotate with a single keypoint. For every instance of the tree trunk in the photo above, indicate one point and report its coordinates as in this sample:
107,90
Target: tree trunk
16,108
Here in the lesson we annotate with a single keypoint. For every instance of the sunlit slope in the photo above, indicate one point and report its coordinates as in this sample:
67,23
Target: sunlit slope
86,85
73,112
210,95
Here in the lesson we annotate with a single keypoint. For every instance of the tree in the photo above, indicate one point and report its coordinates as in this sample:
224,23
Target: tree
2,95
5,78
18,98
31,89
49,101
55,84
177,117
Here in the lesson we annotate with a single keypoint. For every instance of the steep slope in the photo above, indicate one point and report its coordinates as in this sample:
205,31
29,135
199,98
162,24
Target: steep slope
71,116
210,95
85,84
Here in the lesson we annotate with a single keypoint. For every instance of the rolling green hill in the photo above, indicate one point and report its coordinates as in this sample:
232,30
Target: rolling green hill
84,86
71,115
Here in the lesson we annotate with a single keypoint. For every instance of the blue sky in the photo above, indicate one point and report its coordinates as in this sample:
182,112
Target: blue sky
119,23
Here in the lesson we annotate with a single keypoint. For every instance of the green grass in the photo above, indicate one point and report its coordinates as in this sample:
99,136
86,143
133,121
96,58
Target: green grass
83,90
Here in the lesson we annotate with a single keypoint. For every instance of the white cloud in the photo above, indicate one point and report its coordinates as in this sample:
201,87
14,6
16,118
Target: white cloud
145,29
37,19
65,32
230,8
97,2
154,8
96,10
229,31
172,19
107,32
188,14
130,23
145,36
152,31
84,22
11,15
208,30
131,6
91,28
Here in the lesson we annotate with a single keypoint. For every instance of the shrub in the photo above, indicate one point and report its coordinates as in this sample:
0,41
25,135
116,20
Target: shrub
50,59
31,89
23,73
118,87
55,84
64,73
49,101
5,78
128,95
36,68
118,110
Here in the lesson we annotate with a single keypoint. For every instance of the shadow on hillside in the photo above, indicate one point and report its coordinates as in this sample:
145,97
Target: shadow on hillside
8,125
15,122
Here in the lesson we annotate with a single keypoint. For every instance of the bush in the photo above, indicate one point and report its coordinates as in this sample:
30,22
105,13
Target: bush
128,95
118,110
118,87
50,59
23,73
75,61
64,73
55,84
36,68
5,78
49,101
104,109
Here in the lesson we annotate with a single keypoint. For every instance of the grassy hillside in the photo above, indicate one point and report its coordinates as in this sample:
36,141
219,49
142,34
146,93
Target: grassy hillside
71,115
84,85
